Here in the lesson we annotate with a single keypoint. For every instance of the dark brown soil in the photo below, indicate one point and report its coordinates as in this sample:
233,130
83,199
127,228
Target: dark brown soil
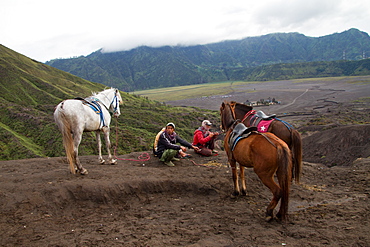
144,203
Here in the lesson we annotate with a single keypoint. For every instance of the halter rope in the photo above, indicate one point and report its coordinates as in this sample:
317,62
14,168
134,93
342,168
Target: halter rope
142,157
194,163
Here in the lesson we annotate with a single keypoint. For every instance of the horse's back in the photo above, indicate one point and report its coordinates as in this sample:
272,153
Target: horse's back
280,130
260,146
77,114
275,139
67,110
260,140
70,106
257,148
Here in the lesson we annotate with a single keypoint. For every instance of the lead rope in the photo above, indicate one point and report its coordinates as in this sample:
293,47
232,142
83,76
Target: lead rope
142,157
194,163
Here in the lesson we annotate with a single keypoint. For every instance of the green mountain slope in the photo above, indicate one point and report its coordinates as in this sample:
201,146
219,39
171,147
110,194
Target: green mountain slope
30,90
148,67
289,71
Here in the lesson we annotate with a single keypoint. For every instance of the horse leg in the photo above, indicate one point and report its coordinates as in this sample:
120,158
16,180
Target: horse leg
98,141
242,179
107,142
76,141
267,179
235,179
276,192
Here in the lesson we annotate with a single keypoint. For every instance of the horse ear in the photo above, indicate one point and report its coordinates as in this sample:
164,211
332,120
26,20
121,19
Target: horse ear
232,105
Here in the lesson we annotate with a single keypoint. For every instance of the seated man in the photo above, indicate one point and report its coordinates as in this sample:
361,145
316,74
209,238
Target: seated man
204,139
167,149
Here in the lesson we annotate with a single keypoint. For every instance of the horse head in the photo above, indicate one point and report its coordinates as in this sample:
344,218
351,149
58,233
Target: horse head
241,109
227,115
116,101
111,99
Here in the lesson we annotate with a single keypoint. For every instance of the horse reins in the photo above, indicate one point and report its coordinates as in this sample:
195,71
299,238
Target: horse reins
268,139
251,112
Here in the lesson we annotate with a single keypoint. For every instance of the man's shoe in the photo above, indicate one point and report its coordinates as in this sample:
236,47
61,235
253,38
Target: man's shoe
169,163
175,159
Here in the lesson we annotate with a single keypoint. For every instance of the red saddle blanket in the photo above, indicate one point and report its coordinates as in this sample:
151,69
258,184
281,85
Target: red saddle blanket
263,125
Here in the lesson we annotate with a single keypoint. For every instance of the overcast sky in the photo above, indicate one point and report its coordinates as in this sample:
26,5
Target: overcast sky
49,29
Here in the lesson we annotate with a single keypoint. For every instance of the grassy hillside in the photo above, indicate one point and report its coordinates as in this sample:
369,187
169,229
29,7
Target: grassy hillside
30,90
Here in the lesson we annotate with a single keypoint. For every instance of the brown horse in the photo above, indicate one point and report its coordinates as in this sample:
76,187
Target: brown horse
281,129
267,154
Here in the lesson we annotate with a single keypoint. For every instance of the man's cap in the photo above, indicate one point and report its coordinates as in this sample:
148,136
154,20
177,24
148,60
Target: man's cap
171,124
206,122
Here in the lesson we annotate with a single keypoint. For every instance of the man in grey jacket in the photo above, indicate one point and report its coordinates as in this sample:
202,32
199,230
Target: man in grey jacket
167,149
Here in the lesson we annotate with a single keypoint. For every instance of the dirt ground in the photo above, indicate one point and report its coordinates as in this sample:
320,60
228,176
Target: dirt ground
144,203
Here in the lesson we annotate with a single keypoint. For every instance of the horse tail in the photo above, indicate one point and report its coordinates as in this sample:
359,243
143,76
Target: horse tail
296,154
65,128
284,174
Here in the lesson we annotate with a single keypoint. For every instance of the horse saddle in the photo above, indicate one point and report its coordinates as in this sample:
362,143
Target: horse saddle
261,117
92,103
239,132
261,114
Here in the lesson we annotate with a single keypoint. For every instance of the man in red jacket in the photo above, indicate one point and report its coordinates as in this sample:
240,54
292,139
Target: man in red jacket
205,139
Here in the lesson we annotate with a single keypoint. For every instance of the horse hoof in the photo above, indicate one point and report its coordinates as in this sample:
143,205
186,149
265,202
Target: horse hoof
84,171
101,162
280,217
268,218
234,195
113,162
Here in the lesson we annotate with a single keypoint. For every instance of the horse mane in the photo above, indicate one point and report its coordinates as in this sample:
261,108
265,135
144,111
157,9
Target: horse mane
96,93
242,106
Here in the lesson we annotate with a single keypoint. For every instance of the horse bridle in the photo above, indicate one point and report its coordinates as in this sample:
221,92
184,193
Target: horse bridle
234,117
114,100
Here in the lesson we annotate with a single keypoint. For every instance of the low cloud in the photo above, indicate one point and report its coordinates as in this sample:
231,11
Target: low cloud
43,30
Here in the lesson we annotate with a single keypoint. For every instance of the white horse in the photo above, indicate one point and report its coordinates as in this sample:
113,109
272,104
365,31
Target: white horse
75,116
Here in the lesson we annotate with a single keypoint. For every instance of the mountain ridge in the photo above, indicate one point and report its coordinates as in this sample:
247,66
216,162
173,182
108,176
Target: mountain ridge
155,67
